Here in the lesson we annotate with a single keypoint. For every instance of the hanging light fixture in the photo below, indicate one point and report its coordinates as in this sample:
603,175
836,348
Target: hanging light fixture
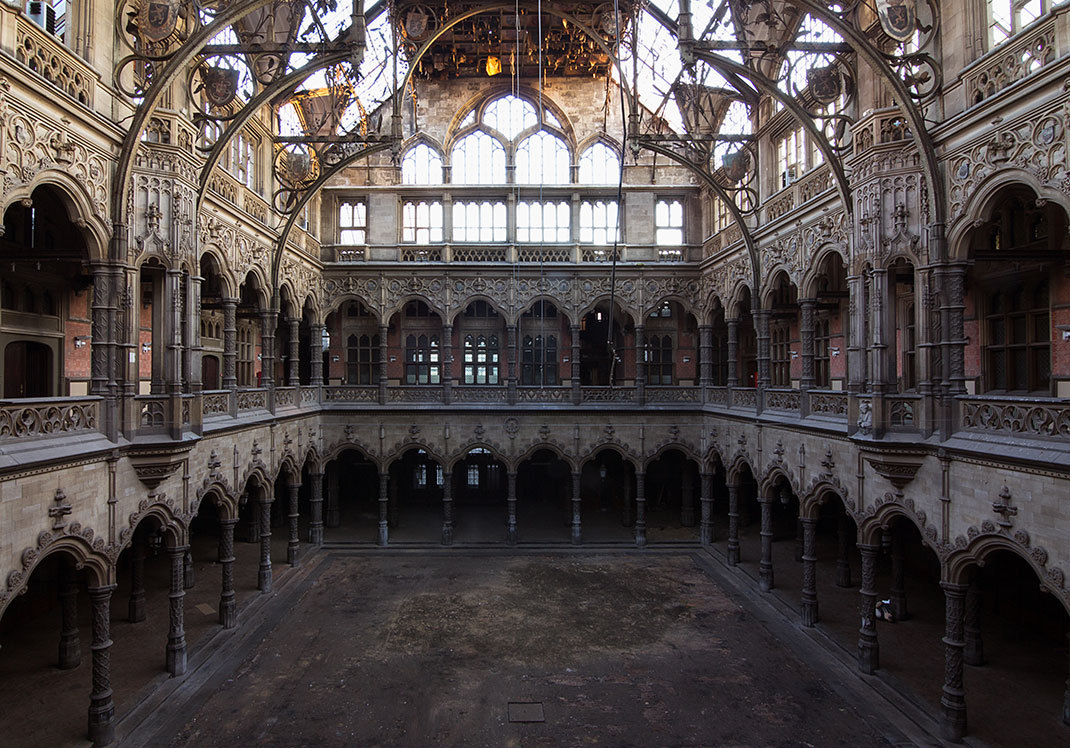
494,65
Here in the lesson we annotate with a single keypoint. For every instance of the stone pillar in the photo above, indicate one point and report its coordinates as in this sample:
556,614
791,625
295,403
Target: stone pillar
293,517
174,308
868,647
765,565
293,376
176,633
953,700
70,643
577,536
880,323
799,543
510,353
809,562
187,569
687,499
228,608
315,345
510,502
574,374
103,309
806,334
136,604
447,508
640,509
955,295
733,351
733,523
447,363
898,593
856,333
705,356
263,577
267,348
384,355
640,363
843,558
974,653
101,706
230,344
315,505
626,509
705,526
761,319
384,508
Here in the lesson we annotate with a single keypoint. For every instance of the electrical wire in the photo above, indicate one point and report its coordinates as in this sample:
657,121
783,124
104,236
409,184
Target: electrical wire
611,347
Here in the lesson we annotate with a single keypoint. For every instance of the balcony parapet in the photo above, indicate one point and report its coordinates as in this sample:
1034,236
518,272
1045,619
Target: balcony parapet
1021,416
591,394
37,418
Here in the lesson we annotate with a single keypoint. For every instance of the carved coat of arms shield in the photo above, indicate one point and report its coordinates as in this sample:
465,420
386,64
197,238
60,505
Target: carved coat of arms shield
825,83
220,85
898,18
157,19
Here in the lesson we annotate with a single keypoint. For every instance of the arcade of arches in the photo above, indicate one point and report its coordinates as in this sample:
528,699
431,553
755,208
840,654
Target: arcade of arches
781,286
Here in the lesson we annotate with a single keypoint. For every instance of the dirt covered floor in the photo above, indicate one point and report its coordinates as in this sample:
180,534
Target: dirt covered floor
432,650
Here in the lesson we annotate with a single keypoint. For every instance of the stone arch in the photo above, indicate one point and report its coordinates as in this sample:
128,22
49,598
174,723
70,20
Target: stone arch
626,454
479,101
287,290
686,304
818,493
466,449
595,138
399,306
335,450
880,518
978,207
735,298
561,305
262,291
312,459
589,307
817,264
289,464
77,202
739,461
258,472
157,509
457,309
425,138
687,450
712,457
775,471
335,304
528,453
772,282
79,543
219,492
957,566
226,275
399,451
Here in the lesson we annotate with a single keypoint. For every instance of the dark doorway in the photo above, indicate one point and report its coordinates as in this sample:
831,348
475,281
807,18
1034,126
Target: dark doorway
27,369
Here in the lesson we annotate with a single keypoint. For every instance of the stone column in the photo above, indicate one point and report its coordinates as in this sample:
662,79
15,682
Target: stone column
293,376
687,499
974,653
384,508
733,351
953,700
176,633
267,348
187,569
228,609
761,319
868,647
574,331
316,352
880,319
809,562
856,333
705,356
898,593
315,503
101,706
705,526
230,344
577,536
765,565
843,559
510,353
293,517
103,310
640,363
510,502
955,295
733,523
447,363
384,355
799,543
263,577
806,334
447,508
70,643
173,310
136,604
640,509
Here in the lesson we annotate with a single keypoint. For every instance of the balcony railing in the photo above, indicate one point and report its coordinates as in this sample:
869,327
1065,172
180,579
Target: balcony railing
607,394
1011,61
674,394
351,394
469,394
252,400
830,403
1020,416
30,419
783,399
544,394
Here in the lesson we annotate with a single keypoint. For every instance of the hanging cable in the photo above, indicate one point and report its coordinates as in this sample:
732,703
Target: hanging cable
611,347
